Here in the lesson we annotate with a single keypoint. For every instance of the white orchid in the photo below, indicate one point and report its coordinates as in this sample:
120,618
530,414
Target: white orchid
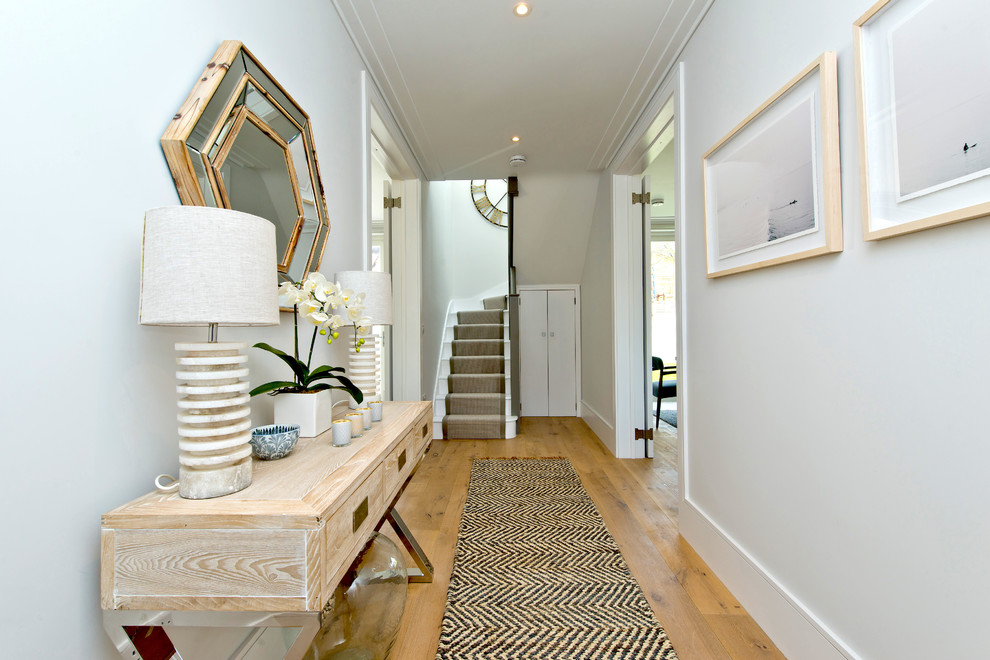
290,293
318,318
354,314
336,321
307,307
328,307
314,282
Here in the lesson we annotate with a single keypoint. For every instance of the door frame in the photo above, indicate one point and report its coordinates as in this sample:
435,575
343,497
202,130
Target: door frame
576,288
407,176
627,168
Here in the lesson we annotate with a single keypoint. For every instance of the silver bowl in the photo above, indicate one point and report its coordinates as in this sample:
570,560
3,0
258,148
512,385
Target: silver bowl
275,441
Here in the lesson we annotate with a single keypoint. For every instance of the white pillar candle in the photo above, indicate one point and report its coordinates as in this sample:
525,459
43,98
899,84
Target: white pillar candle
341,432
357,424
365,416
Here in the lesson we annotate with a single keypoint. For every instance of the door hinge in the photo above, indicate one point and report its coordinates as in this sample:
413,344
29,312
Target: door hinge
393,202
644,434
641,198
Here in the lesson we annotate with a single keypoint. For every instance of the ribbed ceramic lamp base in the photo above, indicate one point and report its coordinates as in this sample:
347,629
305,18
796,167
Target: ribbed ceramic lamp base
364,368
214,419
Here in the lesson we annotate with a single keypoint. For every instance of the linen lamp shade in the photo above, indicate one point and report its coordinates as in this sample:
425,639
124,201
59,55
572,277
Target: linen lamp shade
202,265
377,288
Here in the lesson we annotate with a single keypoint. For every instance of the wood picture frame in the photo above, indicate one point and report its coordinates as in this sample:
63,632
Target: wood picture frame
772,185
922,99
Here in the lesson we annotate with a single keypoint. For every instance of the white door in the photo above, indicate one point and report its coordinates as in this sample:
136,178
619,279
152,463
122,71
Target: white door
534,379
561,353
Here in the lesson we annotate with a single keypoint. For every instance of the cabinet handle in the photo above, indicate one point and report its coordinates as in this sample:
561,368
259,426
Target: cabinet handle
543,334
360,513
402,459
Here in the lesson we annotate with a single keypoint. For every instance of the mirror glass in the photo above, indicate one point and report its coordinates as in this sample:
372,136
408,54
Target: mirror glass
241,142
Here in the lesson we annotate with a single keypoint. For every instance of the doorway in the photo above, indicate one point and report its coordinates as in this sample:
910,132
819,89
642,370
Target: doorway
652,150
660,285
394,234
381,250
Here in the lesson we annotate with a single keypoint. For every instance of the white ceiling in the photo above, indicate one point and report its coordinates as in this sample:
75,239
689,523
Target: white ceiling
462,77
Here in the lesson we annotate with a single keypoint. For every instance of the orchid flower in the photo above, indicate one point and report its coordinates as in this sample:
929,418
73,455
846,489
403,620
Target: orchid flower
327,306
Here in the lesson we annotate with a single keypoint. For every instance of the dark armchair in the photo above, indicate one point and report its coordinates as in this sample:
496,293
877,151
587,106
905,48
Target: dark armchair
663,389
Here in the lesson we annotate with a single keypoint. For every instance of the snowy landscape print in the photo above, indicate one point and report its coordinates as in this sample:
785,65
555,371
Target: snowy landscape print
940,66
764,189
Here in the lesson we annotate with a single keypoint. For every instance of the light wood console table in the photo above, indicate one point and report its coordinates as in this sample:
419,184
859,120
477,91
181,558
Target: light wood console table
267,558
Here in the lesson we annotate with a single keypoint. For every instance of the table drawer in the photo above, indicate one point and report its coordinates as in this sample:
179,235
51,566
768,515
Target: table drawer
347,529
398,465
421,433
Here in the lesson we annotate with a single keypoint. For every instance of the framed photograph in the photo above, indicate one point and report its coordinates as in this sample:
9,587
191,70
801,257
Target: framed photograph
772,189
923,99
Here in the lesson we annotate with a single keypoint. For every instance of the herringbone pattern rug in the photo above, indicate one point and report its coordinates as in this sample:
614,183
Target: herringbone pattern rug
537,575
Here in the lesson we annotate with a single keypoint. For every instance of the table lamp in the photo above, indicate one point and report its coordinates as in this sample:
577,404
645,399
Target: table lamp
204,266
364,367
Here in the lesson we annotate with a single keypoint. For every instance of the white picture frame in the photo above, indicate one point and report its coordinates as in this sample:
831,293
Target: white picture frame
772,185
923,100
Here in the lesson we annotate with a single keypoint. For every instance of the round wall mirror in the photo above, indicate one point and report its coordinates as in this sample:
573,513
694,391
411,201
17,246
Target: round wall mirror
240,142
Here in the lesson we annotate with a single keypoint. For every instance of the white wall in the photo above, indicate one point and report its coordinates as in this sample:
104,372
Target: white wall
836,405
88,394
597,356
552,219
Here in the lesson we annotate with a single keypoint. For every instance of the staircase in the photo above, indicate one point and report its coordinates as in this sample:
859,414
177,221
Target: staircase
475,402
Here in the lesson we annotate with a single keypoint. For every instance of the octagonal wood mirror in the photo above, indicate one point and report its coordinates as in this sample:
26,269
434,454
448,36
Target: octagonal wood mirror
241,142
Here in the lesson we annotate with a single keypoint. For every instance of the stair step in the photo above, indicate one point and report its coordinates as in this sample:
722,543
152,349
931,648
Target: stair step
475,404
474,427
475,383
487,347
479,331
486,317
477,364
496,302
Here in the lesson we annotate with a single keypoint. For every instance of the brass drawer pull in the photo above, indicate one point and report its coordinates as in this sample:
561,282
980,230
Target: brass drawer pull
360,513
402,460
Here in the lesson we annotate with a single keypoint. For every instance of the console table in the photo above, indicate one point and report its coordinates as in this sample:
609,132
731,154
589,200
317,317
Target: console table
258,566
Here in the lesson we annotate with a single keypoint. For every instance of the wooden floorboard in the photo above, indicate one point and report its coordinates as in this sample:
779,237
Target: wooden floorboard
638,500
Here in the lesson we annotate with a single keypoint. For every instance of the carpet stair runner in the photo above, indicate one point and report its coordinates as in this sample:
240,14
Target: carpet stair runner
474,407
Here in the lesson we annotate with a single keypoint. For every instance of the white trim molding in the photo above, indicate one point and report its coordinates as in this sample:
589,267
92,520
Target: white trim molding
796,631
599,425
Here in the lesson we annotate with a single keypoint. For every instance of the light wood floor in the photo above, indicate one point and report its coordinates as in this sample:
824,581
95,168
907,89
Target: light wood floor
637,499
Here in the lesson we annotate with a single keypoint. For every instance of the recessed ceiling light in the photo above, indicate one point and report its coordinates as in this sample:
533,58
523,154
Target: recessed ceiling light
521,9
515,138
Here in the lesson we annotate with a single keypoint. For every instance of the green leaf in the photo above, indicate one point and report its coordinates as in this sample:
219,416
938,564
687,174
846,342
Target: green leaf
298,367
273,385
325,368
353,391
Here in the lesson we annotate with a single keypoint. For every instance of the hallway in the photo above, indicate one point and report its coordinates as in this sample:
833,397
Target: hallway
638,501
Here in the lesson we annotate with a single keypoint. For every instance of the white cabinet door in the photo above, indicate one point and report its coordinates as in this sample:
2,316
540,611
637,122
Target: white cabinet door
548,352
561,353
534,384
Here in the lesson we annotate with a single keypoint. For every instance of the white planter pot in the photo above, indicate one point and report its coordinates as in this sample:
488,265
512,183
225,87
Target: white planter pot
312,412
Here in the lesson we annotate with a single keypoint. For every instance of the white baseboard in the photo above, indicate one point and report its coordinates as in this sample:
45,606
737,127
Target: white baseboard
791,625
599,425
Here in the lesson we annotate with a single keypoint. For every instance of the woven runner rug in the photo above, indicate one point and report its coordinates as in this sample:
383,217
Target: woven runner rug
537,575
